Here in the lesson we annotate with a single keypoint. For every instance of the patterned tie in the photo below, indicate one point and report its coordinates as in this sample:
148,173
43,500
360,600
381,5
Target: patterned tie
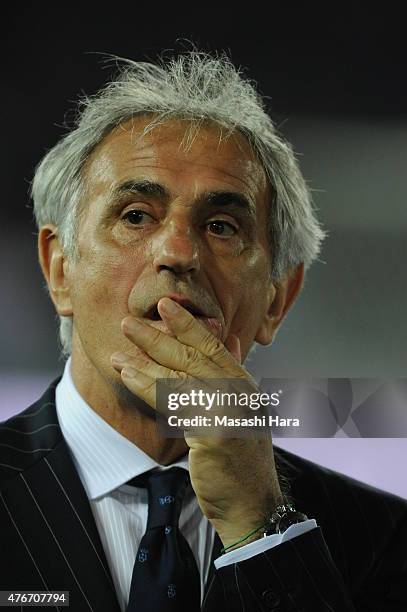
165,575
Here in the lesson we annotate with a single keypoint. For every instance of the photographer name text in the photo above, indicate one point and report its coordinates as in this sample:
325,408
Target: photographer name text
225,421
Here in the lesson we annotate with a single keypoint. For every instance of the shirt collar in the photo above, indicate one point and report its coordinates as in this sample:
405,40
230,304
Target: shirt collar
104,459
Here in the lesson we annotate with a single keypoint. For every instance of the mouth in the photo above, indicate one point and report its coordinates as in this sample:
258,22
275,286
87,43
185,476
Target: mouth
210,322
153,314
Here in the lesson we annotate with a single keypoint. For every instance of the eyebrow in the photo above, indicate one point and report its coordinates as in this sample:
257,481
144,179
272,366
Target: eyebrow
142,187
131,186
230,198
156,190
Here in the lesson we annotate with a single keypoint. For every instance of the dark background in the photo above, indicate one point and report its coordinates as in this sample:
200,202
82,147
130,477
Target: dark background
335,81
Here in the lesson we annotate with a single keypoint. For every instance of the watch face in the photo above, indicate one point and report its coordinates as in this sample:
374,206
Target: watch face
290,518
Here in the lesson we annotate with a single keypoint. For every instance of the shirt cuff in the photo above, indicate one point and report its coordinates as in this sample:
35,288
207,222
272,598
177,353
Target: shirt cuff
263,544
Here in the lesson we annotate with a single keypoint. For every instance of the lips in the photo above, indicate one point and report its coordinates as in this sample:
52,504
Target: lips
212,323
153,314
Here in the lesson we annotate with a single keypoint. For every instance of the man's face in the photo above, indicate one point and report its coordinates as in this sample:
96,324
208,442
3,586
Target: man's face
160,219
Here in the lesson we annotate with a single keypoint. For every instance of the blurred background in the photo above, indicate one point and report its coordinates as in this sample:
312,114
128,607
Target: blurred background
335,84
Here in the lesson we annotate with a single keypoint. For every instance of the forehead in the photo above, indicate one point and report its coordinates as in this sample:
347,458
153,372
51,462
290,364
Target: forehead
178,149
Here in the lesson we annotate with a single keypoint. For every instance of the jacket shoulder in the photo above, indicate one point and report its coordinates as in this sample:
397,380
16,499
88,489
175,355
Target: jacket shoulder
29,435
311,481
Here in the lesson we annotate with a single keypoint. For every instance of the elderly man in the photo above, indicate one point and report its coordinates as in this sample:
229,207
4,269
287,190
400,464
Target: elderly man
174,231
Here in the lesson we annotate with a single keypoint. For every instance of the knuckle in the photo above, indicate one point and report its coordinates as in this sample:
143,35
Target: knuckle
215,347
206,344
150,390
155,339
192,356
189,324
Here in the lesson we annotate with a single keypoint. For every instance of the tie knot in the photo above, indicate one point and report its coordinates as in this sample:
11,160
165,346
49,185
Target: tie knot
166,490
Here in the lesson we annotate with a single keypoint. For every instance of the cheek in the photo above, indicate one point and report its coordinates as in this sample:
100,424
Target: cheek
100,304
103,284
245,291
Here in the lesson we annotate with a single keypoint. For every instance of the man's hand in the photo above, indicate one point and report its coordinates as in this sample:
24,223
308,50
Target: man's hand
234,479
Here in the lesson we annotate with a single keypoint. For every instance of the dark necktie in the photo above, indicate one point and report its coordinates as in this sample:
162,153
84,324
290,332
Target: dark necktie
165,575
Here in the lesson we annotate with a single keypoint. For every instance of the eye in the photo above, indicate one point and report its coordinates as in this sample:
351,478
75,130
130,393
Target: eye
138,217
222,228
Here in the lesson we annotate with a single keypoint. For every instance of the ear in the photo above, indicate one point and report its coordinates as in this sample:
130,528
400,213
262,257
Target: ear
54,267
281,297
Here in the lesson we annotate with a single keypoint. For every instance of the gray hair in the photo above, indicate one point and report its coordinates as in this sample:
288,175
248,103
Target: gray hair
197,87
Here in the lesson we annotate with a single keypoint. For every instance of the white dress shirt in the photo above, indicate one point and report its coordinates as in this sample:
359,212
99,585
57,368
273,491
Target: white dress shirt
106,461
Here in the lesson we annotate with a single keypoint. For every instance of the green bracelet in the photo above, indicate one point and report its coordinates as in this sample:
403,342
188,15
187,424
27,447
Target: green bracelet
223,550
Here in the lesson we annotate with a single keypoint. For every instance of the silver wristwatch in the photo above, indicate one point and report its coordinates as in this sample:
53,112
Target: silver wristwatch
282,518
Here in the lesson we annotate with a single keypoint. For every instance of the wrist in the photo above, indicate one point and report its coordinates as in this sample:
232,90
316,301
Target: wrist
280,520
251,536
236,534
244,525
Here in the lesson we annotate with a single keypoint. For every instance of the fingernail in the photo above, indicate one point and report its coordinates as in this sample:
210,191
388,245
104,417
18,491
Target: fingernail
129,372
169,306
119,358
132,324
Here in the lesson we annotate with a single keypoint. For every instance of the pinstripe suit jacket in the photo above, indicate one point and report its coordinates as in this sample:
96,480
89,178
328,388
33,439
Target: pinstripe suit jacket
49,540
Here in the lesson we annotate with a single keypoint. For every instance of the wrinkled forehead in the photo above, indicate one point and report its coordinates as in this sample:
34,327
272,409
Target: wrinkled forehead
141,141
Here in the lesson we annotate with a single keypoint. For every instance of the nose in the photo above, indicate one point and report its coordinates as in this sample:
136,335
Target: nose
176,249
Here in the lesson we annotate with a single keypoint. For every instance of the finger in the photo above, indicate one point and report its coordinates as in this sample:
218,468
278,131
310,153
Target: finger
232,343
142,363
144,385
140,376
166,350
193,334
140,384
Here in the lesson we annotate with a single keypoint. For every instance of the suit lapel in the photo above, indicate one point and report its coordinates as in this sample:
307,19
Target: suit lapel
51,511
